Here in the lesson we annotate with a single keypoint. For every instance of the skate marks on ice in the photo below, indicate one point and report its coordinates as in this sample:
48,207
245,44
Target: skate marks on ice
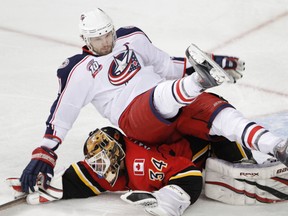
276,123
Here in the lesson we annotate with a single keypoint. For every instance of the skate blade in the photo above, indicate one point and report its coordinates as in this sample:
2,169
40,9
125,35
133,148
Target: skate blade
196,56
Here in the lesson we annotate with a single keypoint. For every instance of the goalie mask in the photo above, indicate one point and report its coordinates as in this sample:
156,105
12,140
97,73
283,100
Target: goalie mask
104,152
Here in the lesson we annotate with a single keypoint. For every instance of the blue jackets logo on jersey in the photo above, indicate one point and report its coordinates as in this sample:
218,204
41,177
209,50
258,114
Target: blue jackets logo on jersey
124,67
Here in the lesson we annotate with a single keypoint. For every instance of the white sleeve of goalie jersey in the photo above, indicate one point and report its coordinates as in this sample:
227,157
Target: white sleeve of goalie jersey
246,184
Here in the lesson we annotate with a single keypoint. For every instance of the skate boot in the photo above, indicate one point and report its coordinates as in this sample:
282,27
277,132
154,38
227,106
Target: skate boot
281,152
210,72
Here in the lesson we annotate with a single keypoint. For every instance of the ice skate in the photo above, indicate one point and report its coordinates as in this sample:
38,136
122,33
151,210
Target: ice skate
281,152
210,72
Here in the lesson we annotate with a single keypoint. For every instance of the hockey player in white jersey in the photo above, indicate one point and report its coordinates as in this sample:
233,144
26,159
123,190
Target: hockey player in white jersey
151,96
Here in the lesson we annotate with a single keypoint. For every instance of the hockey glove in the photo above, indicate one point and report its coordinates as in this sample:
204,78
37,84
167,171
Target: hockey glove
169,200
53,192
44,194
143,198
232,65
43,161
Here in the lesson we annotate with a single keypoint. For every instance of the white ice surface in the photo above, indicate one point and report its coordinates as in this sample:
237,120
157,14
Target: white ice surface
37,35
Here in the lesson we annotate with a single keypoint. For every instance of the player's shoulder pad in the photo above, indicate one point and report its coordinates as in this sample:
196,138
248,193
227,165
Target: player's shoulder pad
129,31
65,68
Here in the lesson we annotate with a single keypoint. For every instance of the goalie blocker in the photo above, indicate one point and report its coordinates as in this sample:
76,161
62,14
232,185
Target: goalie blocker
246,184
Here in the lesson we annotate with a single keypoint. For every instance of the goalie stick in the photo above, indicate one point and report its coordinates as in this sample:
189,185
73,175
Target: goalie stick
13,203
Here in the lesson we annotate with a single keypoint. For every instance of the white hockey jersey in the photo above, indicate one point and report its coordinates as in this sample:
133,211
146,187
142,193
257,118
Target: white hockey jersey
110,82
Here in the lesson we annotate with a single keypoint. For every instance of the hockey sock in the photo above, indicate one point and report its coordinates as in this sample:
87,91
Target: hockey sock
170,96
259,138
231,124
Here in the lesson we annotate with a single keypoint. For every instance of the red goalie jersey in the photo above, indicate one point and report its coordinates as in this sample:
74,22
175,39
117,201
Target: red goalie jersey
146,169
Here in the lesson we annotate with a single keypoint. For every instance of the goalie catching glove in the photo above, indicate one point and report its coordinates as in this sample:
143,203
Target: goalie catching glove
43,161
170,200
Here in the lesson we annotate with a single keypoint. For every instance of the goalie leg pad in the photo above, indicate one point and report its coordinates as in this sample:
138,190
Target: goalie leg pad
53,192
246,184
15,185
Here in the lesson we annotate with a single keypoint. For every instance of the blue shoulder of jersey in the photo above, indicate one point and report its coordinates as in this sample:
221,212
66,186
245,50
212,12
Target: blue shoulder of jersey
67,66
129,30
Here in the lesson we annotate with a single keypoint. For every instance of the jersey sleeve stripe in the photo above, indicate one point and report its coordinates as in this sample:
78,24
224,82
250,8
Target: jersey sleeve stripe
85,180
200,153
186,174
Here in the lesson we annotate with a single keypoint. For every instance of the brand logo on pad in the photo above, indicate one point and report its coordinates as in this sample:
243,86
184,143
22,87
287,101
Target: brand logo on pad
285,169
124,66
248,174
